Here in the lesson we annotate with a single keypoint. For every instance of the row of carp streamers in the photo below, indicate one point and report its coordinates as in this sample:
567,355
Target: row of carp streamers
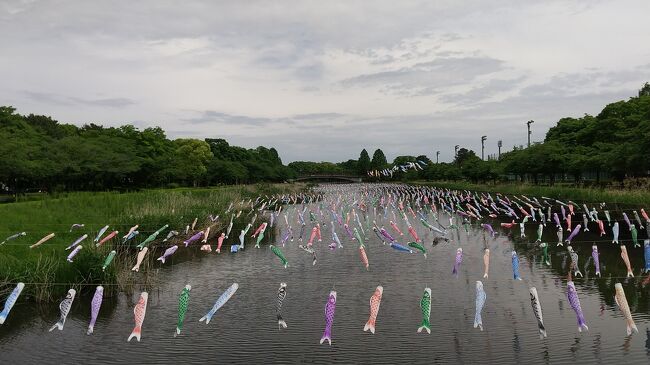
342,204
388,172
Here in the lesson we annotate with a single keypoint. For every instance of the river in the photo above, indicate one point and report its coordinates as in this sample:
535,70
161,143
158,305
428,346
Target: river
245,330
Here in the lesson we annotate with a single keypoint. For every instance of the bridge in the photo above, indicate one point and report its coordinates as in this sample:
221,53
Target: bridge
329,178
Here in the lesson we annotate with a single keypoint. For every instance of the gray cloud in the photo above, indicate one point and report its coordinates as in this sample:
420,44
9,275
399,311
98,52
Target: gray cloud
50,98
411,78
110,102
211,116
480,93
427,77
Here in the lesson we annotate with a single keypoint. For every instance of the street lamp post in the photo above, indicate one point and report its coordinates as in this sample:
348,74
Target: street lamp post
483,138
528,123
437,156
499,144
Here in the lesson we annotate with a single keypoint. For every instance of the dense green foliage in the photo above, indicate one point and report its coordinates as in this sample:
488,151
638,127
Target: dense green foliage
613,145
378,161
37,152
363,164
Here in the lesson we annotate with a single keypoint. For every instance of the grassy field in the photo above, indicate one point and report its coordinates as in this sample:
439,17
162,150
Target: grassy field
634,197
45,269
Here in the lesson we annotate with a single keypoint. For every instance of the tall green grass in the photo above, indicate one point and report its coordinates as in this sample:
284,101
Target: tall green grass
45,269
591,195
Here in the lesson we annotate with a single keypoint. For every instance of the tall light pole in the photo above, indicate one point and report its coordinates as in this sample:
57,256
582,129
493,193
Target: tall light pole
528,123
483,138
437,156
456,151
499,144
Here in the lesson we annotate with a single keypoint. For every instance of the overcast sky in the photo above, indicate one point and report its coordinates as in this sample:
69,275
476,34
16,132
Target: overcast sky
319,80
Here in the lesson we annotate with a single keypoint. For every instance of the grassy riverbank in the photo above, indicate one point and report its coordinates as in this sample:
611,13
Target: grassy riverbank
579,195
45,269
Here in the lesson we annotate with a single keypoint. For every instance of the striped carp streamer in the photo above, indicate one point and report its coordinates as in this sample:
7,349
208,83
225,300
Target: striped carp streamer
109,259
537,311
220,302
480,302
194,238
140,257
596,257
74,253
107,238
64,307
280,255
515,266
310,250
425,306
574,261
78,241
13,237
621,302
396,246
95,305
282,294
418,247
615,231
130,234
168,252
646,254
375,301
220,241
100,233
183,302
43,240
574,301
330,308
626,260
139,311
152,237
364,257
11,300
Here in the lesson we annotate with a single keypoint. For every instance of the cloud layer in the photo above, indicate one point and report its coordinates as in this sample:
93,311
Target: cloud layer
321,80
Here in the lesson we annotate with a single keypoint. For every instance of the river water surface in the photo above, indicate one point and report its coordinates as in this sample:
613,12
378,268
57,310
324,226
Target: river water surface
245,330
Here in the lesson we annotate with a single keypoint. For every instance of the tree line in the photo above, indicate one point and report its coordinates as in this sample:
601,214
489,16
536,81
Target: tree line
37,152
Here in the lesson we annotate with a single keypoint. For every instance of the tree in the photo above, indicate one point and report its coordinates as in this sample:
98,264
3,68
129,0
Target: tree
190,159
645,90
378,160
363,164
463,155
